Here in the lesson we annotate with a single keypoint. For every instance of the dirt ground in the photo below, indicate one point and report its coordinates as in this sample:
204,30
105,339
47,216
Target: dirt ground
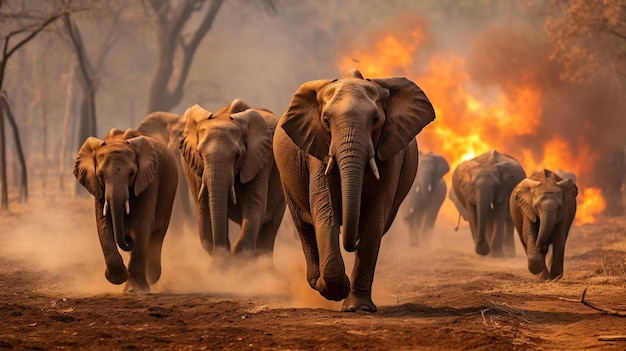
53,294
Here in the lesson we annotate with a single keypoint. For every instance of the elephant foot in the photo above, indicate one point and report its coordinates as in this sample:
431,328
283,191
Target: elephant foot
134,286
482,249
335,290
536,266
116,275
358,303
153,274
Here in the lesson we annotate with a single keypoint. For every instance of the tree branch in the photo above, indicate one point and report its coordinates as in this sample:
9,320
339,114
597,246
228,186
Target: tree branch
604,310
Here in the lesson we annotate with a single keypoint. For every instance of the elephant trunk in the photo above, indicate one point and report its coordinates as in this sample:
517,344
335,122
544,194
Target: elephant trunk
547,220
536,263
218,185
483,212
117,200
351,162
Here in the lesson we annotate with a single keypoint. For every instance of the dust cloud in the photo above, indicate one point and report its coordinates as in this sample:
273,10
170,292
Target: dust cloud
57,236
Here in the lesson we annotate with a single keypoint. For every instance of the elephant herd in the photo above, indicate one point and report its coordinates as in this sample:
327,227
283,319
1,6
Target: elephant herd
491,192
342,157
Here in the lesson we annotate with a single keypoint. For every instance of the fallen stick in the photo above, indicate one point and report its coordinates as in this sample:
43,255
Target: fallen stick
605,310
612,338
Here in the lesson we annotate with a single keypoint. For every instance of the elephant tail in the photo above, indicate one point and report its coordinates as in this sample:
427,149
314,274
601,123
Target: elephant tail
458,223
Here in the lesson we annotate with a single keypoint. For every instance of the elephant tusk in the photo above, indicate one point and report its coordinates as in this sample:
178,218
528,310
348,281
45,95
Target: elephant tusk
430,188
491,205
329,166
233,196
374,168
104,209
202,188
127,207
417,189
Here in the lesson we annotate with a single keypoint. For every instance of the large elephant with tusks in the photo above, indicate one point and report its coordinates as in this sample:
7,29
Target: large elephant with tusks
347,156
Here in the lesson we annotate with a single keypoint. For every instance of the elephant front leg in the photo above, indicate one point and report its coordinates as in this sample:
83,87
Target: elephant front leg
333,283
557,257
360,297
137,282
116,272
495,228
306,233
509,238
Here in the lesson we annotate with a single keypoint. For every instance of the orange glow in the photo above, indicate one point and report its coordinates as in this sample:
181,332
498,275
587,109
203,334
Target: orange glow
591,205
469,122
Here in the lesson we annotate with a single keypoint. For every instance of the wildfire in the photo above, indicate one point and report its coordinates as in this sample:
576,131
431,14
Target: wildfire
471,122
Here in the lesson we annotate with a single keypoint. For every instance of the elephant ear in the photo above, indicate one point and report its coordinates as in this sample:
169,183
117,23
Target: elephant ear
188,145
455,200
259,137
85,167
441,166
147,161
523,196
407,111
508,180
570,192
301,120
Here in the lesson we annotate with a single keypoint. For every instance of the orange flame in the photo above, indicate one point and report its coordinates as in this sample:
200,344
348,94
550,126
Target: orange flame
470,123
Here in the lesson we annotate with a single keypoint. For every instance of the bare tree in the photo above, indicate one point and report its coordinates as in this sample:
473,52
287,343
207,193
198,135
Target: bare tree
19,26
166,89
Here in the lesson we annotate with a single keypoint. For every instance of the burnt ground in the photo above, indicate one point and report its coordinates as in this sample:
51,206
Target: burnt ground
53,294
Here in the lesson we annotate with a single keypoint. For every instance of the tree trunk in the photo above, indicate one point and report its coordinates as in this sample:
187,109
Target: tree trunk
4,198
18,148
165,93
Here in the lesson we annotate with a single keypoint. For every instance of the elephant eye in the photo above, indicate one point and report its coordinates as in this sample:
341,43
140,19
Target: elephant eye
325,120
376,118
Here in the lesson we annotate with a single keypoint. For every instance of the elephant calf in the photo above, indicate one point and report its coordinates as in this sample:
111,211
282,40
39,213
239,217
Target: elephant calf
543,207
133,180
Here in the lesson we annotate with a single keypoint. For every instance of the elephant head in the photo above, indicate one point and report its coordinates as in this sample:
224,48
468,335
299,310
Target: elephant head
351,122
234,143
547,201
431,168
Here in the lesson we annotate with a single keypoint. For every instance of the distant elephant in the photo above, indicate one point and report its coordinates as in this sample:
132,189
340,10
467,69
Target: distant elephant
566,175
168,127
229,165
543,207
133,180
427,194
331,131
482,187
